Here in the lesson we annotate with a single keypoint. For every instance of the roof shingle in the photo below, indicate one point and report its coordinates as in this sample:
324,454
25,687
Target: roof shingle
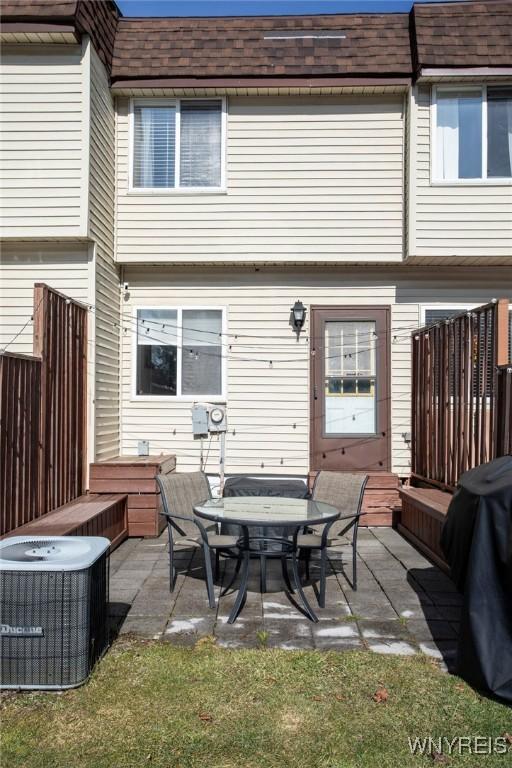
262,46
476,33
473,34
40,10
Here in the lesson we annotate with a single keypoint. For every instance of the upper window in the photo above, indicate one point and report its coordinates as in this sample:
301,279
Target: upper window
177,144
473,133
179,352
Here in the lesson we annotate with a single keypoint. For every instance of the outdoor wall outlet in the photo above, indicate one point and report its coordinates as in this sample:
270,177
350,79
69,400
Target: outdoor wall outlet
143,448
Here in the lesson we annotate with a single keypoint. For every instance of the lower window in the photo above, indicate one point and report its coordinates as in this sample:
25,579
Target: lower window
179,352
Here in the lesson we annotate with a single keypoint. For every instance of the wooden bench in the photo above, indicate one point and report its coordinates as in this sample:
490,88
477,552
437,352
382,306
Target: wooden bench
88,515
421,520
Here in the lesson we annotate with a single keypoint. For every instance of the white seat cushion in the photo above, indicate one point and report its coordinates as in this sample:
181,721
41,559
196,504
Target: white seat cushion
214,540
313,541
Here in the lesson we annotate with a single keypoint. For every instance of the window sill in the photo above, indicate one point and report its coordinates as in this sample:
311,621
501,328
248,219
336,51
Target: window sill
174,192
215,399
473,183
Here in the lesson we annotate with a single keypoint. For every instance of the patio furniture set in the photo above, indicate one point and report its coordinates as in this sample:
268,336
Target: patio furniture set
259,524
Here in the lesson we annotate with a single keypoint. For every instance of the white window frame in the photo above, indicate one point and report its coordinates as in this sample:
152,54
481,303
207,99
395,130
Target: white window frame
176,102
219,398
484,181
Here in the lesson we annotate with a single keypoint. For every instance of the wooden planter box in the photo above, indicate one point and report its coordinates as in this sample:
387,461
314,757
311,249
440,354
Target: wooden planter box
381,500
135,476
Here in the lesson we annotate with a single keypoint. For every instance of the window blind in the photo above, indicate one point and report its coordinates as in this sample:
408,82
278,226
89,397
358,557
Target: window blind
200,143
154,146
202,352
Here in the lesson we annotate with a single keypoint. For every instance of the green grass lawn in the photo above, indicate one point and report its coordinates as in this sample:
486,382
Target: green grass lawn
153,704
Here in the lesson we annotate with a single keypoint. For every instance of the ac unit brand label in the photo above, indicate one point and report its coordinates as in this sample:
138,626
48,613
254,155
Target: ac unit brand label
6,630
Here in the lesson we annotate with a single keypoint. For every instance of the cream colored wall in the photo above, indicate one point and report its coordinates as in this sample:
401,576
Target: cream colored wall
101,230
44,141
469,221
58,181
308,179
268,408
64,267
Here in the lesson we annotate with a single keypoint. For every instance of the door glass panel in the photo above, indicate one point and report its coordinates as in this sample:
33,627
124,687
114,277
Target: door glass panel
350,378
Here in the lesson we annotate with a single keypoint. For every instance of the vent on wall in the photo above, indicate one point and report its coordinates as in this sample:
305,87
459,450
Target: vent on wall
327,35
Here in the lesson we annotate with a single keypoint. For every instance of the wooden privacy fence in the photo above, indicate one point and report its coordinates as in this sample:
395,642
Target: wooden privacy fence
459,399
20,386
43,451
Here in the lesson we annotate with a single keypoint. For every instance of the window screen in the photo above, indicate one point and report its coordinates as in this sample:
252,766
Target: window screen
459,135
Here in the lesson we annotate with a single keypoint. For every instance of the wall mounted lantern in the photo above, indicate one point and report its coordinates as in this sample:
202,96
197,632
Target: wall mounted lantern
298,316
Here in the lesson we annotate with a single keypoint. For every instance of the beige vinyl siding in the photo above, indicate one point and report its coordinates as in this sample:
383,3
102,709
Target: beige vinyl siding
43,169
308,179
463,220
268,408
101,230
64,268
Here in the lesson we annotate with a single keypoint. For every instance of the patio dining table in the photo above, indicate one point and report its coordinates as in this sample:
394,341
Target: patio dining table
257,513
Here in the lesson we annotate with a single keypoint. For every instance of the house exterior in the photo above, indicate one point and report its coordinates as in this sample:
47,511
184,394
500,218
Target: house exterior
192,179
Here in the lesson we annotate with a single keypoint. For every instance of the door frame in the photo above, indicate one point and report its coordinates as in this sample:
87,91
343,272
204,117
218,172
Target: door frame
385,356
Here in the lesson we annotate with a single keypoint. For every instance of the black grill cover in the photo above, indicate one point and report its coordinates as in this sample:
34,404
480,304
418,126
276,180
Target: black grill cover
258,486
477,542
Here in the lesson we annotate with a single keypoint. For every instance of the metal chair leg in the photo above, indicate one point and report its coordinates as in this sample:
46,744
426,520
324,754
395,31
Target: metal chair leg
354,558
235,574
306,562
217,564
263,574
300,592
286,575
172,571
209,575
242,591
323,577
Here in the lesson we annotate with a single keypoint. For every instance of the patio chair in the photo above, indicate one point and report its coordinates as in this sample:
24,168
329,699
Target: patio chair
344,490
181,491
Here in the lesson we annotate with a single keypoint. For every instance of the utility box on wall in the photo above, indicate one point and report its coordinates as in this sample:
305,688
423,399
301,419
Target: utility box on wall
200,420
208,418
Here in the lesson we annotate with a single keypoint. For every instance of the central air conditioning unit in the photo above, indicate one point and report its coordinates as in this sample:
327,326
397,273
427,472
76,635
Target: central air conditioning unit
53,609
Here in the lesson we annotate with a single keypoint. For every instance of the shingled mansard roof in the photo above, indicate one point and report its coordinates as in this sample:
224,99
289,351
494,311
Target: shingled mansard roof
348,46
263,46
96,19
477,34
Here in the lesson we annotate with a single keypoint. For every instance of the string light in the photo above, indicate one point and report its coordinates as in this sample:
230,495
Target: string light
240,358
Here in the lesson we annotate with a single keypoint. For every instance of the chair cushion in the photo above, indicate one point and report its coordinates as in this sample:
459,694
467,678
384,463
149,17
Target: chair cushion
219,540
312,541
215,540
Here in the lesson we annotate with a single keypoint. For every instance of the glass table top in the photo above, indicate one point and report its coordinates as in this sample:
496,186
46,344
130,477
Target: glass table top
266,510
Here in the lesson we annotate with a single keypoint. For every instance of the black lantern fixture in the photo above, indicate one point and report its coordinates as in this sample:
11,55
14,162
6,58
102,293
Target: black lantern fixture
298,316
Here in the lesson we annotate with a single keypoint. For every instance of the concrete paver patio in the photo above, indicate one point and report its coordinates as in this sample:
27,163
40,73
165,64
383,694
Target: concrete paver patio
403,604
